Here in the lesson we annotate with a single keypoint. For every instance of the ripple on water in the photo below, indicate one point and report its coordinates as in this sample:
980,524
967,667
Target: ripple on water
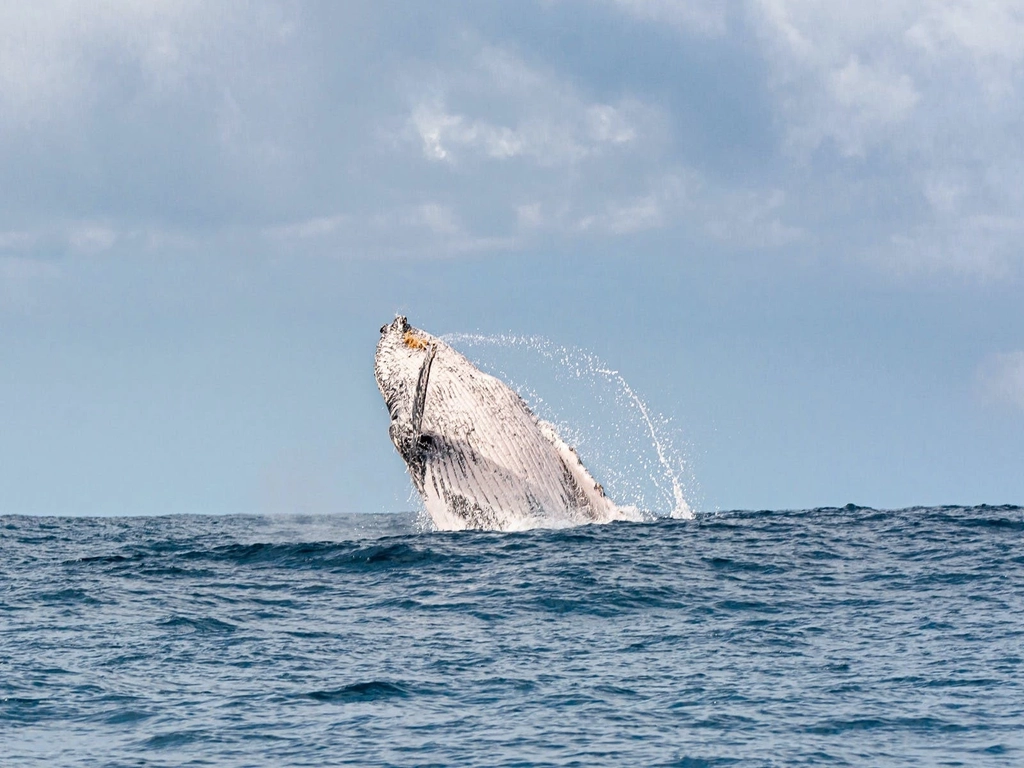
840,636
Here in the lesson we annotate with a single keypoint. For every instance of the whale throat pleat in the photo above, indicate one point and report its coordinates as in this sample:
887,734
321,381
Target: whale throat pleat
495,463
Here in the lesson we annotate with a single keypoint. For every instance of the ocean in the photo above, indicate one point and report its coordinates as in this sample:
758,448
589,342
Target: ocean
839,636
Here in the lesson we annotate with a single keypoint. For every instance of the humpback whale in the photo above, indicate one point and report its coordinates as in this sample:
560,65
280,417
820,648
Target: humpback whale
477,455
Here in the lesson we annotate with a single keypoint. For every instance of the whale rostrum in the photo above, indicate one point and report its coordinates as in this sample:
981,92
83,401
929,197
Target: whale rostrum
477,455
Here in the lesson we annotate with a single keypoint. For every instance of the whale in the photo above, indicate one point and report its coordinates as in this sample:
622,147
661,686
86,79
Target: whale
477,455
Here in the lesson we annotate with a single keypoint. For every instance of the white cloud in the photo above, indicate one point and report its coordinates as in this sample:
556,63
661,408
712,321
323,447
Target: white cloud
750,219
16,240
914,103
92,238
596,167
989,33
529,216
66,66
635,216
904,94
885,72
868,101
443,133
239,133
1001,379
434,229
317,226
50,51
428,229
439,219
89,238
609,125
980,247
836,71
738,217
625,217
944,192
432,124
701,16
547,121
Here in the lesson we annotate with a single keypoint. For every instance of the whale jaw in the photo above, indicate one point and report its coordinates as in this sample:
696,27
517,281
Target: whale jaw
477,455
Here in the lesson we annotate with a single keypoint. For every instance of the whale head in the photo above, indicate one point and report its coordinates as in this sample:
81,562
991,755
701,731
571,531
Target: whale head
401,353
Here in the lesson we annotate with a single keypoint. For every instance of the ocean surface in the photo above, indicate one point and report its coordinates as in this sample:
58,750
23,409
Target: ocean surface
843,636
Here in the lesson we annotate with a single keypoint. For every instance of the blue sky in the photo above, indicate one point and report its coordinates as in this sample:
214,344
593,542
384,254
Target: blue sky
795,229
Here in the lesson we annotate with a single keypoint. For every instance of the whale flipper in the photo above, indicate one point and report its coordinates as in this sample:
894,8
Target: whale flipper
419,400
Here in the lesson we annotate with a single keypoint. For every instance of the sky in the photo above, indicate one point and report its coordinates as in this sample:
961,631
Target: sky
795,229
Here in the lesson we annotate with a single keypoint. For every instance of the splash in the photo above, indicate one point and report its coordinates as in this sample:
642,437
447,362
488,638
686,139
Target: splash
629,446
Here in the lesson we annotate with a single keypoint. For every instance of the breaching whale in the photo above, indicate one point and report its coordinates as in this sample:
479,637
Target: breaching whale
478,456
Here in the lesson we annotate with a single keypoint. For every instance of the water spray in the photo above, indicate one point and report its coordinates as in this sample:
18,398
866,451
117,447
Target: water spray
581,364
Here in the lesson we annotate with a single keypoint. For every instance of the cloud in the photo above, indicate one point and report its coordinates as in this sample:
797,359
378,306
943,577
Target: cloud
92,238
988,34
128,110
869,100
907,100
566,165
738,217
438,219
877,73
979,247
700,16
884,132
441,132
434,229
317,226
53,55
428,229
529,216
16,240
625,217
836,72
635,216
1001,379
548,123
751,219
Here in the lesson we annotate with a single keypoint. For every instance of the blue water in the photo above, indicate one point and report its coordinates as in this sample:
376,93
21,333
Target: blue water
826,637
